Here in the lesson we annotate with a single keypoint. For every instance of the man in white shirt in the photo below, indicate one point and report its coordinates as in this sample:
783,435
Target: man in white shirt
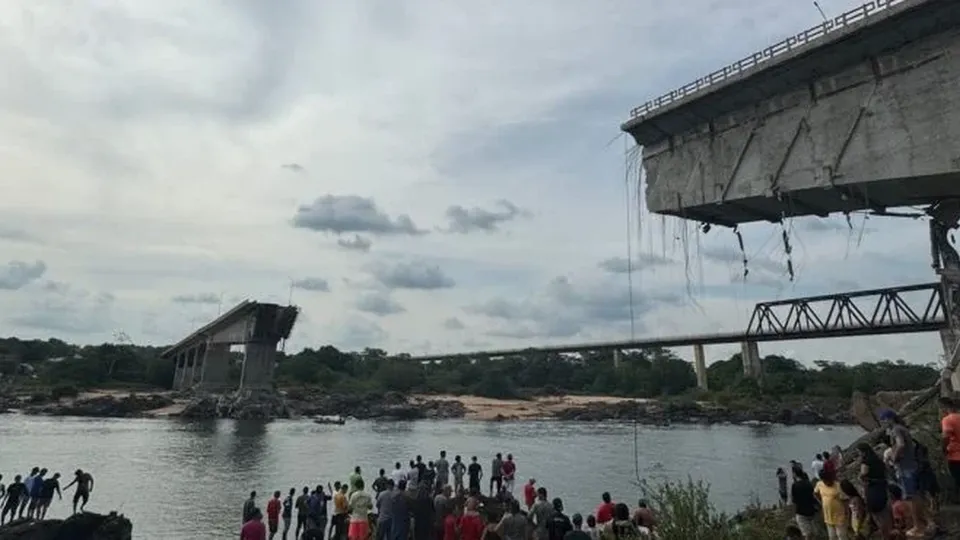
816,467
398,474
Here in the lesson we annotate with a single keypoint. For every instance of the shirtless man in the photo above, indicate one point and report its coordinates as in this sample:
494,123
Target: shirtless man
84,482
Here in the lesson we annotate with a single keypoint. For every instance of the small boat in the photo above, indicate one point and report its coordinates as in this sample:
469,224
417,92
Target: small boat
331,420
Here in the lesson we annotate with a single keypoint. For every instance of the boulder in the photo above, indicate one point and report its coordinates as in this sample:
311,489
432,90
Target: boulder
129,406
85,526
240,405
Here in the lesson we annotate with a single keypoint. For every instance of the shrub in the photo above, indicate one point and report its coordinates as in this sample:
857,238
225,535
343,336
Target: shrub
684,512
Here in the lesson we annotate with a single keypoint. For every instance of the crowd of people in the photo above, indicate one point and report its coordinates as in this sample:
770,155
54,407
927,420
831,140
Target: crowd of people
32,496
438,500
894,493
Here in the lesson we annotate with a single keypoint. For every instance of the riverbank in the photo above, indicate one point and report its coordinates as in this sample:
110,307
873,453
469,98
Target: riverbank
298,403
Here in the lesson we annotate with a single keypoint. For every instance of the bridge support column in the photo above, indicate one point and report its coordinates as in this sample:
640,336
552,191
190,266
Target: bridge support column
750,354
946,262
191,370
258,362
617,358
700,366
216,367
181,363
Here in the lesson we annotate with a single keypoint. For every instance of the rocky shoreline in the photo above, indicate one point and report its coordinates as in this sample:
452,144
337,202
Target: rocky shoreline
395,406
84,526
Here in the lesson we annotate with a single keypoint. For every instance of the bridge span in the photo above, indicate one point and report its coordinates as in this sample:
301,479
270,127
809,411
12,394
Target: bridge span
869,312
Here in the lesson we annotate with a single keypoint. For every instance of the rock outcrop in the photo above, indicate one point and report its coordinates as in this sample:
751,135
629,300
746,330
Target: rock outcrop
240,405
387,405
85,526
107,406
690,412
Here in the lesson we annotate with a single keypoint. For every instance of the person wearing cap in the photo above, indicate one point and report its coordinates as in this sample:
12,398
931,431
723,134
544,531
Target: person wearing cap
907,469
558,525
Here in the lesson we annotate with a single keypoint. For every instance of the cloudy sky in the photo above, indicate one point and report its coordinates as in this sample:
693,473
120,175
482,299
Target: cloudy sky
424,176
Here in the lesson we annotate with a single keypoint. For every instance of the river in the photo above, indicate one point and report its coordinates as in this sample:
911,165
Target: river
178,479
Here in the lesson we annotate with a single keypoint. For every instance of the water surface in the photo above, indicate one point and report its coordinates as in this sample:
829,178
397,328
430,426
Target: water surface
178,479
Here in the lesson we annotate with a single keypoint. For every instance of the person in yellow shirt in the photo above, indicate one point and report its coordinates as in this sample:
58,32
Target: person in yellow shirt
834,510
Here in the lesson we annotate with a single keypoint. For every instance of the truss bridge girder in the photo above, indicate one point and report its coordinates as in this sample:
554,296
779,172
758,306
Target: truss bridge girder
913,308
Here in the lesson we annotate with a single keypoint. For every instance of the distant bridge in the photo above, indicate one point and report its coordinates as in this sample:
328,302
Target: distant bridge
894,310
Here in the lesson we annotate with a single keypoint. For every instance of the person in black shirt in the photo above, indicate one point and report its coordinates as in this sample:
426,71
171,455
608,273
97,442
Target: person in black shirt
50,486
873,473
577,533
15,492
475,472
804,503
287,513
558,525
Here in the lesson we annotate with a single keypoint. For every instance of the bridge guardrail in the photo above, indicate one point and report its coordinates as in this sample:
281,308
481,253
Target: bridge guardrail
817,32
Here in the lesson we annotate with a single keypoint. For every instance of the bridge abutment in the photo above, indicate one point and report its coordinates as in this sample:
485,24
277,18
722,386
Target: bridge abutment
700,366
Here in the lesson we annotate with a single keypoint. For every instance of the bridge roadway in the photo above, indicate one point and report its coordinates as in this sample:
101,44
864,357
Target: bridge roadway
870,312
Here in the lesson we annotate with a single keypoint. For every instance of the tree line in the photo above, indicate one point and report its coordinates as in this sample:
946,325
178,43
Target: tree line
648,373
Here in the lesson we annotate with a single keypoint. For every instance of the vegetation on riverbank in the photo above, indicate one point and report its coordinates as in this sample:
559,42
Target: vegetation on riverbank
653,373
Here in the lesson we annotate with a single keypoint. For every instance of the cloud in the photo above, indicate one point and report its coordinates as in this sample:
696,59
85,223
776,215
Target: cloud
339,214
312,284
199,298
412,275
733,256
621,265
453,323
357,243
293,167
19,274
16,235
65,309
466,220
378,303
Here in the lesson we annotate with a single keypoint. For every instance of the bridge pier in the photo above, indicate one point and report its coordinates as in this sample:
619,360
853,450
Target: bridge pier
258,362
700,366
216,367
945,216
617,358
750,354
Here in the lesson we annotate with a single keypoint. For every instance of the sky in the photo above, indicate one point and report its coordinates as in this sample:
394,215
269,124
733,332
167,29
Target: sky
422,177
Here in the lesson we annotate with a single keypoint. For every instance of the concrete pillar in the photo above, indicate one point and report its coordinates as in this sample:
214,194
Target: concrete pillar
199,363
190,370
216,367
617,358
700,366
178,372
752,367
258,362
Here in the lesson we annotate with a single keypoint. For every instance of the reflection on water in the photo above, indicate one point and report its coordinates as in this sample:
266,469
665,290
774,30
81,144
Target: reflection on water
200,472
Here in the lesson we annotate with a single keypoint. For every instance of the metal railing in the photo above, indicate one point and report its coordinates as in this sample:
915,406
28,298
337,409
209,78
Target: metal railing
853,16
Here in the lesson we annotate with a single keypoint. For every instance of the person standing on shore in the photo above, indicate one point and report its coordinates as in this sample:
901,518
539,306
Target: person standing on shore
605,510
950,434
397,475
413,476
443,470
3,492
804,501
514,525
249,506
28,488
341,509
287,513
380,483
49,487
399,504
253,529
828,492
15,492
84,482
273,514
384,505
302,511
907,469
458,469
530,493
360,506
873,476
475,472
782,485
496,474
559,524
36,490
541,513
355,480
509,469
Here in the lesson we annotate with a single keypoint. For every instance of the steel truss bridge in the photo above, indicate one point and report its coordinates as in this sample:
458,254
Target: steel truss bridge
894,310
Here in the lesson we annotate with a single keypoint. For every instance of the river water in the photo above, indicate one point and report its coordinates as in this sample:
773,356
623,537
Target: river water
178,479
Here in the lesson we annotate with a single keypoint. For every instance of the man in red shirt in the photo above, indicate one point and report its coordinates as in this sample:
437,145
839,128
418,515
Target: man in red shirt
254,529
273,514
509,470
470,524
530,493
605,510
